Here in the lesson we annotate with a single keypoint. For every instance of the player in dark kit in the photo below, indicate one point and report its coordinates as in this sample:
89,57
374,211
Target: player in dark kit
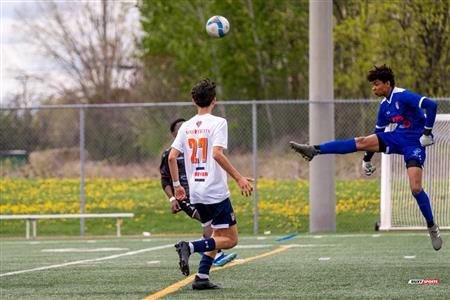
185,205
166,179
409,135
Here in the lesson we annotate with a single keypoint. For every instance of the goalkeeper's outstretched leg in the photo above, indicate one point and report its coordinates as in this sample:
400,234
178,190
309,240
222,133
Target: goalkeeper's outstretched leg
369,143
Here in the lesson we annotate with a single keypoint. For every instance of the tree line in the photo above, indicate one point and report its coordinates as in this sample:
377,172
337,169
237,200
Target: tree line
265,56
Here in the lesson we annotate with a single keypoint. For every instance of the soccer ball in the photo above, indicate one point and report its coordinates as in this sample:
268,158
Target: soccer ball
217,26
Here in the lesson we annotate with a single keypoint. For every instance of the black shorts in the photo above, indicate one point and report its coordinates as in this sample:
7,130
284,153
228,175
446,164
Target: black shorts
218,215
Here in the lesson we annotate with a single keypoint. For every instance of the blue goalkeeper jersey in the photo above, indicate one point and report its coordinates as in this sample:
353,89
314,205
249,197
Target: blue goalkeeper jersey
405,110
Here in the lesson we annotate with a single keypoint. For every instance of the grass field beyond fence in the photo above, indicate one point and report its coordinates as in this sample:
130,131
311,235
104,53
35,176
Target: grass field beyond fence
283,206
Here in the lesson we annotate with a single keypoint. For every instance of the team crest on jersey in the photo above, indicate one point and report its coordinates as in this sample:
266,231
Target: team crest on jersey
397,105
417,152
199,123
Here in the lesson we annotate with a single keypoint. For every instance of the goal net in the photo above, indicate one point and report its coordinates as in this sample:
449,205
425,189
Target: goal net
399,209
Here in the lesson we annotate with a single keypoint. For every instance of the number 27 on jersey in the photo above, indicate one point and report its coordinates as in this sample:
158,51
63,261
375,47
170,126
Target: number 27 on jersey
194,144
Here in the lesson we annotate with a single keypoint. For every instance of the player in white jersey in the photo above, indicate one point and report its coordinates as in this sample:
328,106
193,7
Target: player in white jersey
202,139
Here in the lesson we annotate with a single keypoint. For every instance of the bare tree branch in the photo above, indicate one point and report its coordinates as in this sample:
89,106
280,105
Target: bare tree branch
89,41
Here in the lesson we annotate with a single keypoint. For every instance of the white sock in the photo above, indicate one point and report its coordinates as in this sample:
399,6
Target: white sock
191,247
202,276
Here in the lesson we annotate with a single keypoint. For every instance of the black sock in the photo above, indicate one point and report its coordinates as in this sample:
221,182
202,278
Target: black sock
204,266
430,224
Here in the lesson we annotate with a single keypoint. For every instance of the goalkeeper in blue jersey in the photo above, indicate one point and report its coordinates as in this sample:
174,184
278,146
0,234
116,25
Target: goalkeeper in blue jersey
410,134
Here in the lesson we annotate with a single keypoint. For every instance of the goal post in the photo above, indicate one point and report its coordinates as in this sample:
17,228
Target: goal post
398,208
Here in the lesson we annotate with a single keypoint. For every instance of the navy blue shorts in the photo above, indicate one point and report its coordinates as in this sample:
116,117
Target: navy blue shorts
407,144
218,215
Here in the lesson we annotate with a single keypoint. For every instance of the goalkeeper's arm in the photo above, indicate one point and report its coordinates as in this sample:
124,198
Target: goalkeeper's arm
431,107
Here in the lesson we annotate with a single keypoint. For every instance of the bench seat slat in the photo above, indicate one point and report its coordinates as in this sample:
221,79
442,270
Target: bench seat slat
65,216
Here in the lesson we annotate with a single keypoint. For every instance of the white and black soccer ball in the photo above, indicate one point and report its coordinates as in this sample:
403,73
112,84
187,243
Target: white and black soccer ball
217,26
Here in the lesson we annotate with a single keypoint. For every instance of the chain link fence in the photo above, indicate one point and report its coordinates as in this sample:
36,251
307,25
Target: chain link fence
126,141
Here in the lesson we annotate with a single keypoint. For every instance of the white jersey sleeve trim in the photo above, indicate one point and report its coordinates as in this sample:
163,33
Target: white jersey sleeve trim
420,102
380,127
398,90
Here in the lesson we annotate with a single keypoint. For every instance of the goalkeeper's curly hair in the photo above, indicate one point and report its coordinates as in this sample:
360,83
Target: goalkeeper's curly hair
204,92
383,73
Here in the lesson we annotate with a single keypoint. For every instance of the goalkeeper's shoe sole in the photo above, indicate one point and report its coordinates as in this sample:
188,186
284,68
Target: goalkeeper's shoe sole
183,253
435,236
306,151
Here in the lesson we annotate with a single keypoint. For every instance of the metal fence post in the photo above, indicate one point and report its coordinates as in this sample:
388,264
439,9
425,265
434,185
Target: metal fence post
255,164
82,194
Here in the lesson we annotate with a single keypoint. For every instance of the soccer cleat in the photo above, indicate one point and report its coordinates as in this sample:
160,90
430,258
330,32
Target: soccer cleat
223,259
183,253
435,236
203,284
308,152
219,256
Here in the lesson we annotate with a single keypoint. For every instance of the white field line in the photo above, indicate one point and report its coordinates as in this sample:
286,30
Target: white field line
356,235
290,245
81,250
78,241
77,262
310,245
252,246
324,258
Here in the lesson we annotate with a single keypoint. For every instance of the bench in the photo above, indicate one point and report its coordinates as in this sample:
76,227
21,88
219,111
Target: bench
33,219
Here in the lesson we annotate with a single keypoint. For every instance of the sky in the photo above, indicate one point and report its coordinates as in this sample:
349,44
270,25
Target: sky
16,55
19,57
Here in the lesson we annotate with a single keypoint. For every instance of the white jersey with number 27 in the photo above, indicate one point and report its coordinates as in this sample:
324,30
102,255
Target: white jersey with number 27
196,139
